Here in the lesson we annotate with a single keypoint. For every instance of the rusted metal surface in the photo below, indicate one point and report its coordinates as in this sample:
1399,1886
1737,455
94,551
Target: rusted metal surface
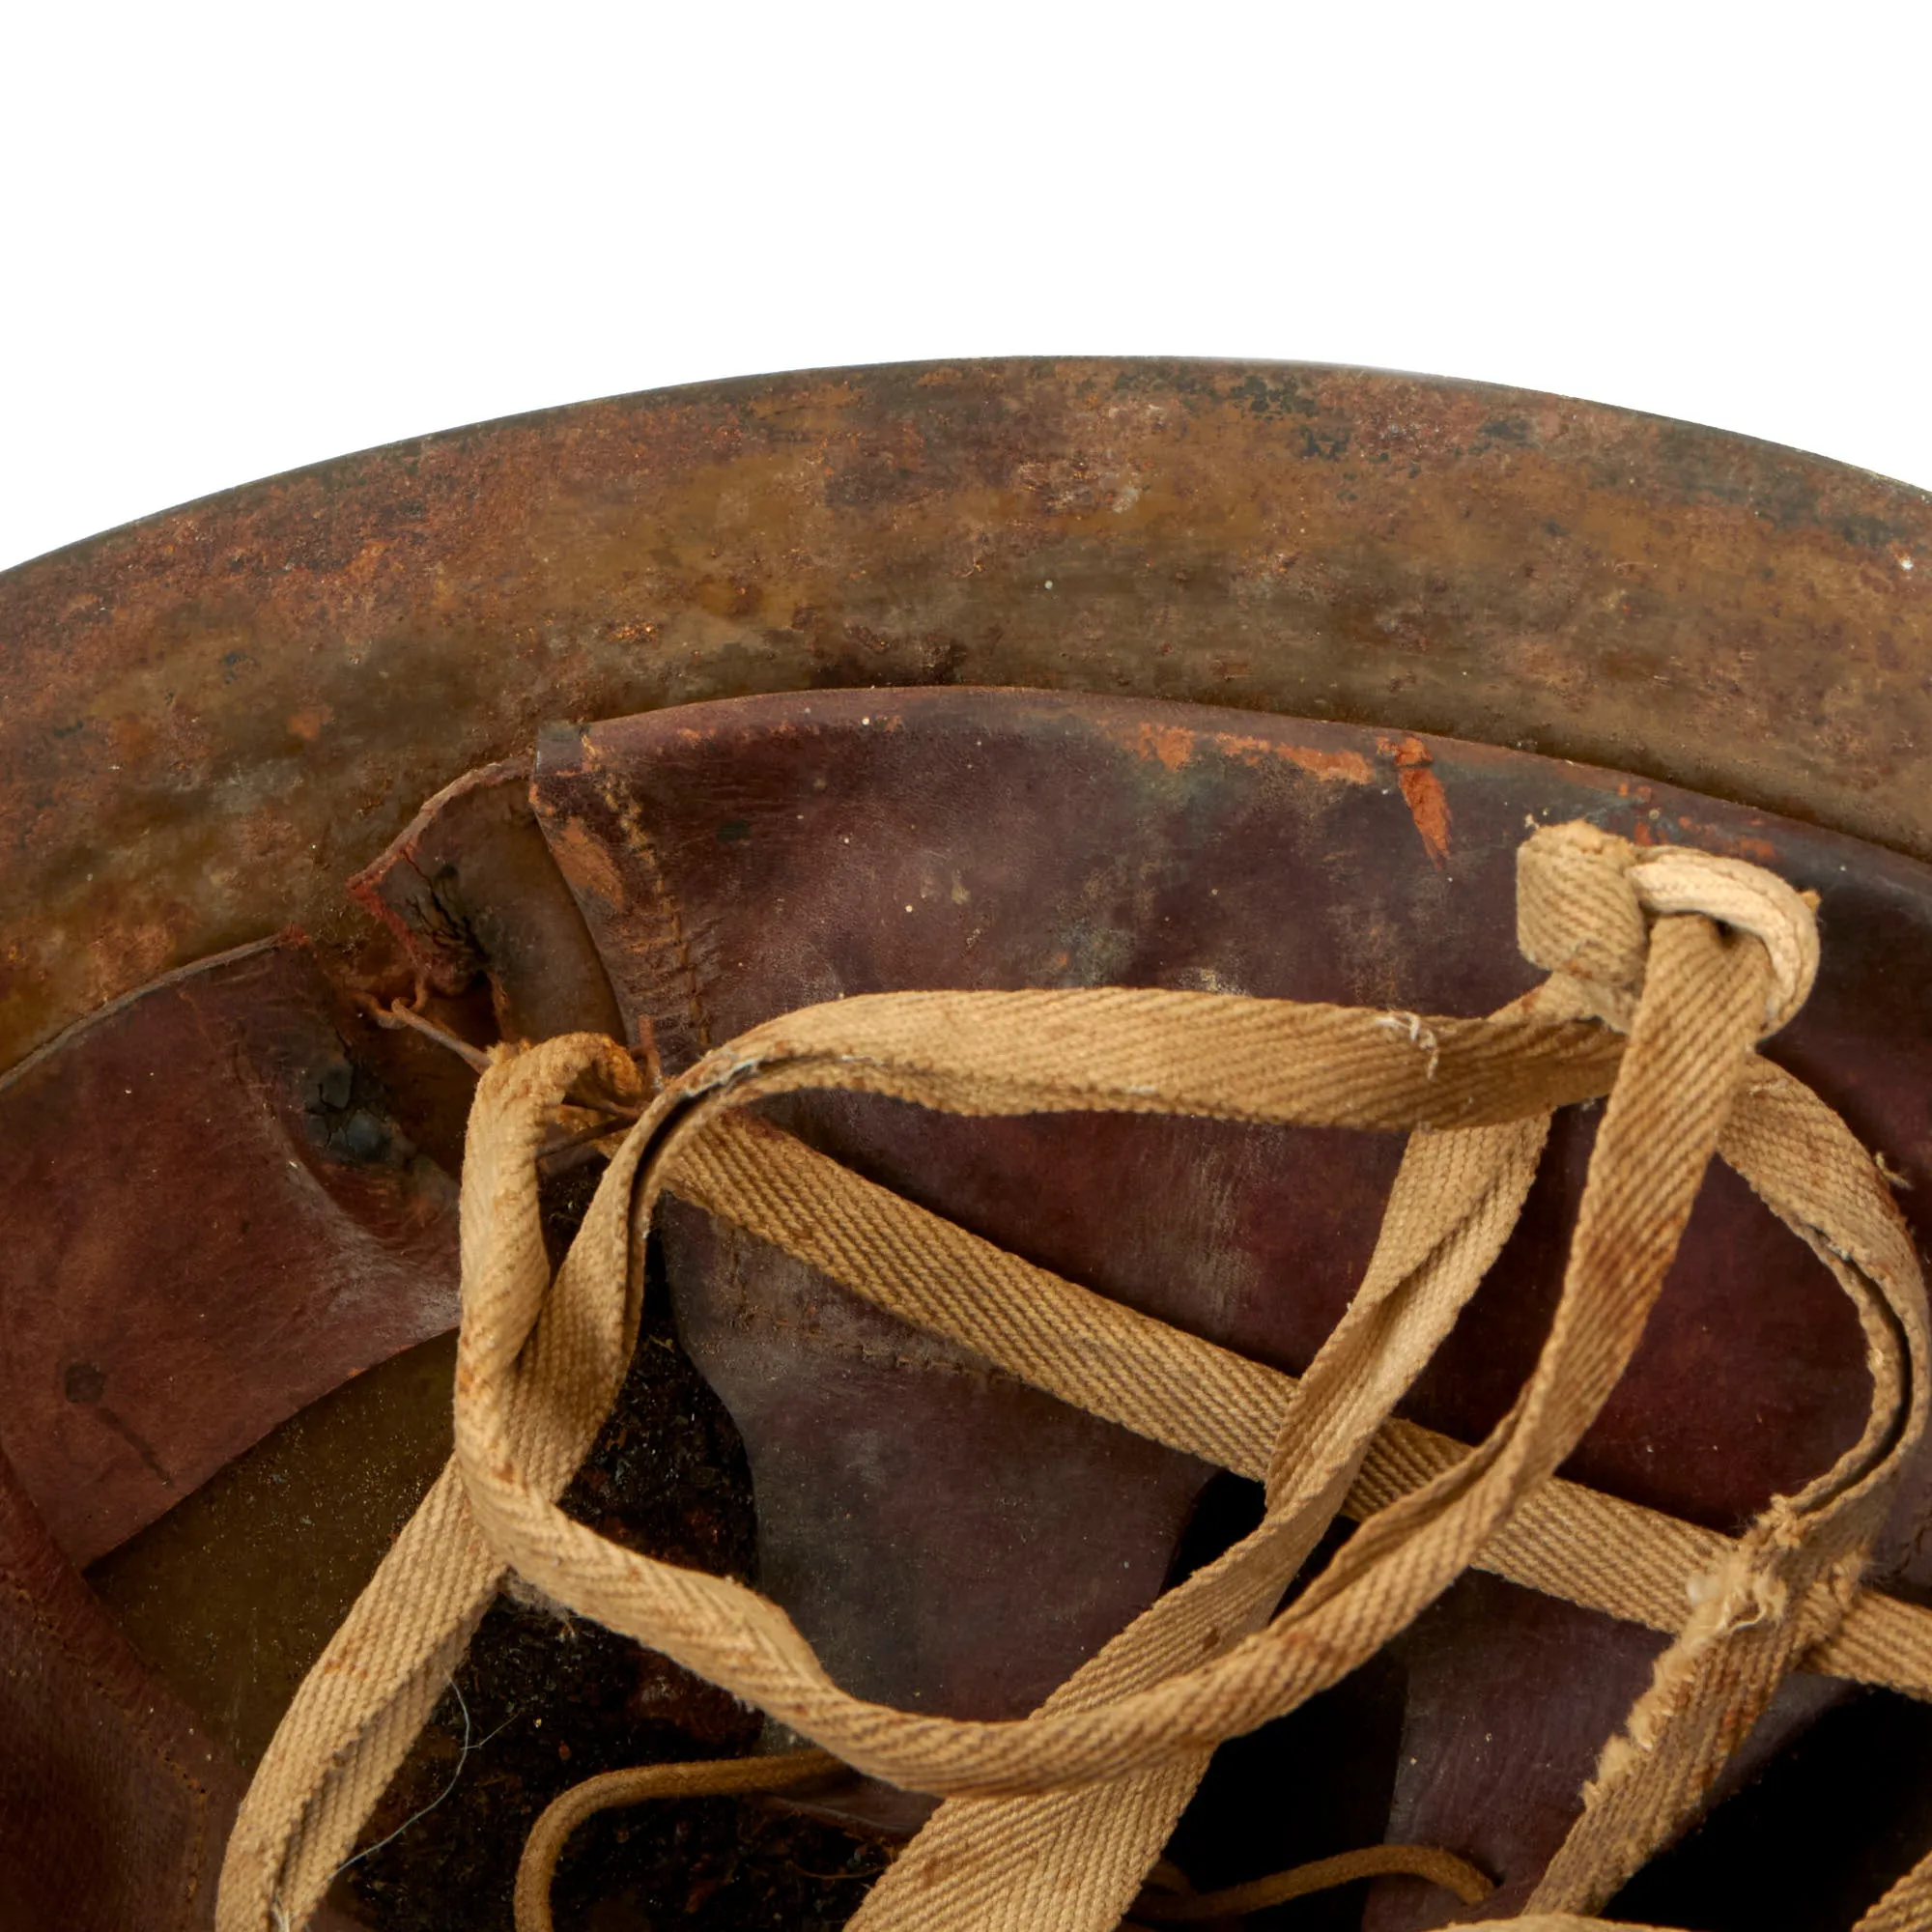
214,716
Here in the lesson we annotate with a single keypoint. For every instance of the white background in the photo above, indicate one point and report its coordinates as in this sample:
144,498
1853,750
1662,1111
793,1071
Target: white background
240,238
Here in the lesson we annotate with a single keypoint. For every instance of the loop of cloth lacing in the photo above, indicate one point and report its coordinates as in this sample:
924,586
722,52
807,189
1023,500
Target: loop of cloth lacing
1666,969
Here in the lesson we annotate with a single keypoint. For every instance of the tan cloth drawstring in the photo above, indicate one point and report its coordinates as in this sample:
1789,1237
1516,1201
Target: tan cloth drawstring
1052,1821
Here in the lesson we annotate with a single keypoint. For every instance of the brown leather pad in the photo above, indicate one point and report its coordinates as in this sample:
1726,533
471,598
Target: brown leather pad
214,1217
930,1524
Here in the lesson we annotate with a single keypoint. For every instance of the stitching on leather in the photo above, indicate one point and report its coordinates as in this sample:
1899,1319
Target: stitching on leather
630,818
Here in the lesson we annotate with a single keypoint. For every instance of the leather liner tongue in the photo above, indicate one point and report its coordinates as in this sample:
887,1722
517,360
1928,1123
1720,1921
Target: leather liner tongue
214,1216
952,1541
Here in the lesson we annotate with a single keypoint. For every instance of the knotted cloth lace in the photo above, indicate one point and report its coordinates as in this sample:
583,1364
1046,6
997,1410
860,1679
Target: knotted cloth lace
1666,969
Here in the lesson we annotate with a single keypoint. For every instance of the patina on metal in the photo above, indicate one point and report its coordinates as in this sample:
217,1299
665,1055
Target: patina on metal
214,715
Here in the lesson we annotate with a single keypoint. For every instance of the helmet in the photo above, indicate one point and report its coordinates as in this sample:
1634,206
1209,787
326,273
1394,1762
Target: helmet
221,714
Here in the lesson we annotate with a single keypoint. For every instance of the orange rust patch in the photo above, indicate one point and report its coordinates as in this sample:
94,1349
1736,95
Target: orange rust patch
1175,746
1734,846
1350,767
1172,744
1422,792
306,723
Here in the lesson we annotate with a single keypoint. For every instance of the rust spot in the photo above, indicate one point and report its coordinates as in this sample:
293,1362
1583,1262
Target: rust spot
1350,766
1422,792
1175,746
307,723
1734,846
1172,744
728,597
